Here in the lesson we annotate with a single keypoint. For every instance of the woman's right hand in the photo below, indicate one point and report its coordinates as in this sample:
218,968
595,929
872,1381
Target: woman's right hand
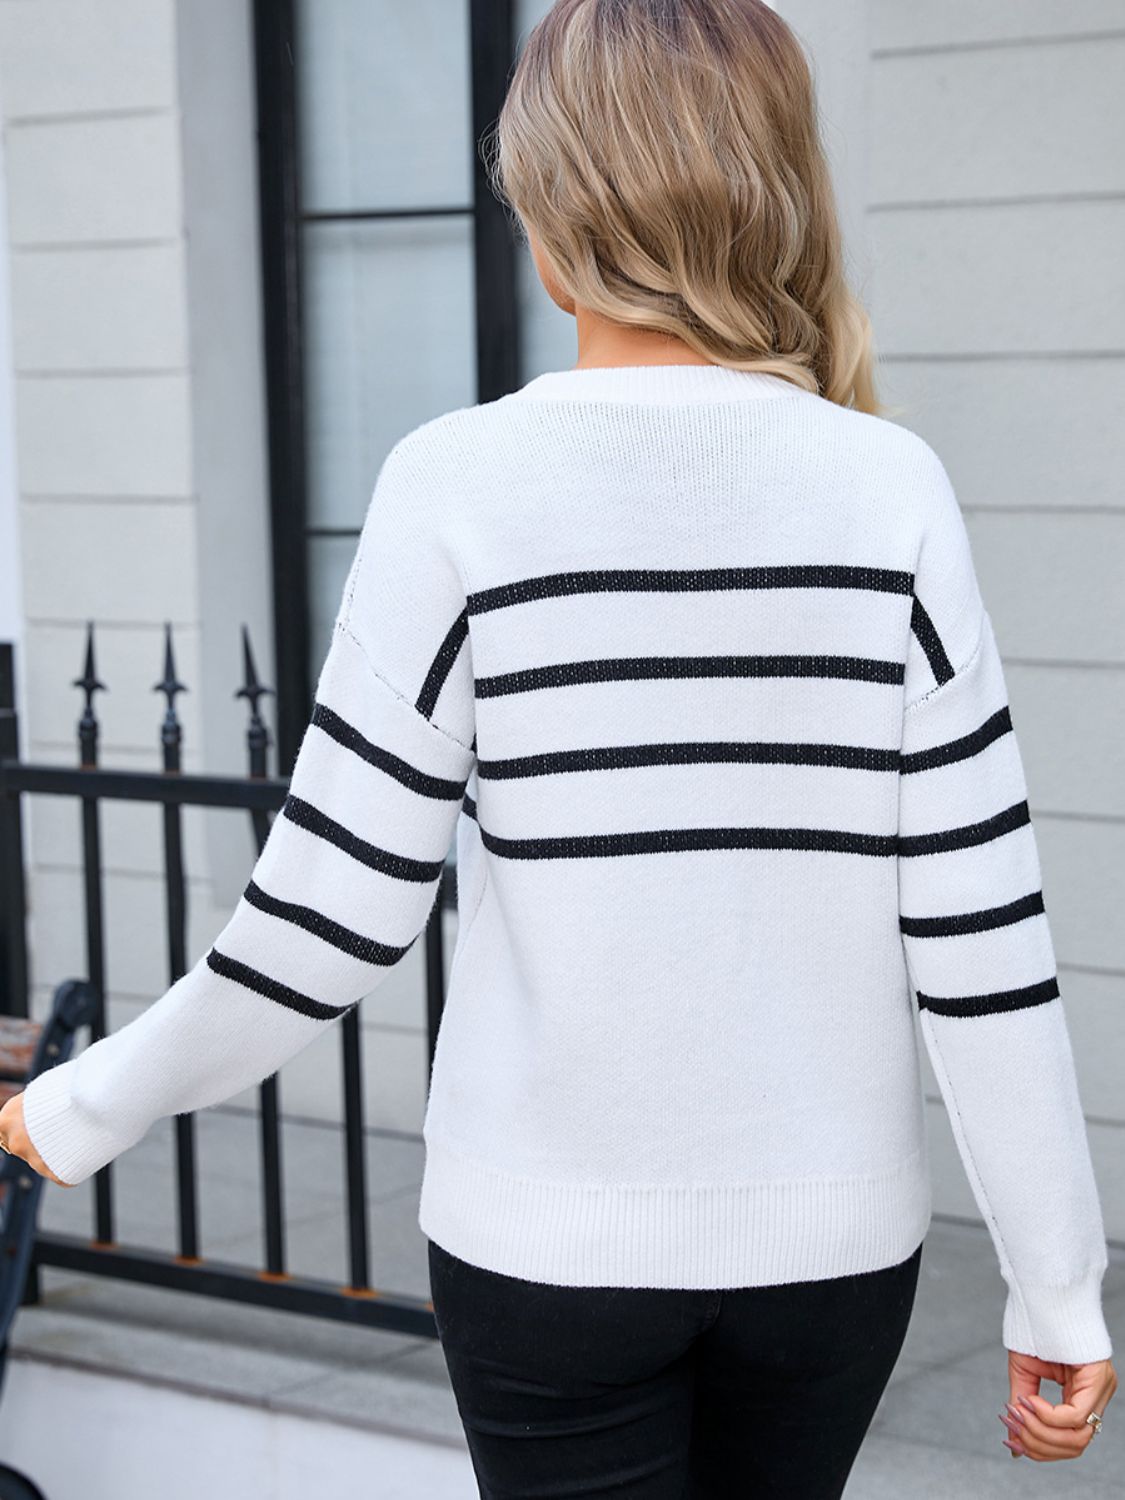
1045,1432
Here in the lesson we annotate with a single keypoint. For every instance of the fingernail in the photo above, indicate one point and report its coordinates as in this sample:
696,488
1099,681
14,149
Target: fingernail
1017,1416
1014,1448
1015,1428
1025,1402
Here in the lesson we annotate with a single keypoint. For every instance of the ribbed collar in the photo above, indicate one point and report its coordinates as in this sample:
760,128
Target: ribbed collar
658,383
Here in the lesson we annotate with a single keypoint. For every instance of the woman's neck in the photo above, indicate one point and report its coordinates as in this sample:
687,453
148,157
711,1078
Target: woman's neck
603,344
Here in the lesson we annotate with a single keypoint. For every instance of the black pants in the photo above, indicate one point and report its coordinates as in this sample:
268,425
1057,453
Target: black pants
656,1394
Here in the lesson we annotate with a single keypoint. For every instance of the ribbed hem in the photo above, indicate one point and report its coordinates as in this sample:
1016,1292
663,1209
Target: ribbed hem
1063,1323
748,1234
72,1145
659,383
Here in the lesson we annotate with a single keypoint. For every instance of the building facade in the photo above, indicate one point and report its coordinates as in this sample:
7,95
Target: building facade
245,247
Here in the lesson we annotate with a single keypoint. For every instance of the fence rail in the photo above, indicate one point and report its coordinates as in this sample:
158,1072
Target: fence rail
256,794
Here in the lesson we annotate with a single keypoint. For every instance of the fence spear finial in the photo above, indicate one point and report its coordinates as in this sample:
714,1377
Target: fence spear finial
88,722
171,731
257,734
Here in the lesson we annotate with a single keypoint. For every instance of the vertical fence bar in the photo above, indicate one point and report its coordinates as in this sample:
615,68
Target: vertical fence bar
187,1194
269,1093
273,1217
171,739
354,1148
14,987
88,732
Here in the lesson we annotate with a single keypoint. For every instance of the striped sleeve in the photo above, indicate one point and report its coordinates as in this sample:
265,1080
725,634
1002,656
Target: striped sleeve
980,957
348,874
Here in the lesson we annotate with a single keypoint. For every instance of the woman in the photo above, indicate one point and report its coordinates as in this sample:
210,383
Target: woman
685,645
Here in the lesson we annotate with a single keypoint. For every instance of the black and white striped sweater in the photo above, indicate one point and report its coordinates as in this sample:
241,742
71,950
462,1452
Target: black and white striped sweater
694,667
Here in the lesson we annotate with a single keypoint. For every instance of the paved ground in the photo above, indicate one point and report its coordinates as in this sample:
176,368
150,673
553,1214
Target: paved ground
936,1431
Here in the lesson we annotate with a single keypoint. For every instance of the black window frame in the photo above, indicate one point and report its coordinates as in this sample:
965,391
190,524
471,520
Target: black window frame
498,361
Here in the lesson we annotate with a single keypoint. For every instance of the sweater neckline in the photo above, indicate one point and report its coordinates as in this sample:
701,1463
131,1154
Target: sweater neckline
659,383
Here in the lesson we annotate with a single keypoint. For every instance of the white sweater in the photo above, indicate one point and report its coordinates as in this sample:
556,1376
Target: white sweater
694,666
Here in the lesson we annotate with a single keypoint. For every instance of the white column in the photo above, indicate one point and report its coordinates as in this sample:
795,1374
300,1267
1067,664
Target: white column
222,261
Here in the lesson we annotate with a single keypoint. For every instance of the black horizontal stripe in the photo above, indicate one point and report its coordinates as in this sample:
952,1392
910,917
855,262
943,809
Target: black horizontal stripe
679,840
966,745
930,642
967,834
367,949
832,840
442,665
306,816
974,921
348,735
694,752
690,580
642,668
272,989
998,1000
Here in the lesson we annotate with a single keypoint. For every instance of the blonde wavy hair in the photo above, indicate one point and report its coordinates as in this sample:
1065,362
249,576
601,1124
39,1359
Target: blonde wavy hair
667,155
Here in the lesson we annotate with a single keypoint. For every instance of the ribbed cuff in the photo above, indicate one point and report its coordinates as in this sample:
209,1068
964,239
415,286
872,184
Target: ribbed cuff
72,1144
1059,1323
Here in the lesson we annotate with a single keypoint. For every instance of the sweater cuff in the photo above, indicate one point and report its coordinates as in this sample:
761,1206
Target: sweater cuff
1058,1323
72,1144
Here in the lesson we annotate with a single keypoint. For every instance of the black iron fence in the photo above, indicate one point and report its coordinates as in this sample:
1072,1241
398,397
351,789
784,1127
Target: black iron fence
258,795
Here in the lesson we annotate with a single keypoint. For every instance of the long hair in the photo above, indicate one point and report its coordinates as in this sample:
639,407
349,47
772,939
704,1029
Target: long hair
667,155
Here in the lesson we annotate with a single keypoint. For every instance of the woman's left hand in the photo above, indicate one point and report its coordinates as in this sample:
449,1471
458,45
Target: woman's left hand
1042,1430
15,1137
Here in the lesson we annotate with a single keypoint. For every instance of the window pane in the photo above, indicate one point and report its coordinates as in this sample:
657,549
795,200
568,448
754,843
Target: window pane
384,103
390,341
